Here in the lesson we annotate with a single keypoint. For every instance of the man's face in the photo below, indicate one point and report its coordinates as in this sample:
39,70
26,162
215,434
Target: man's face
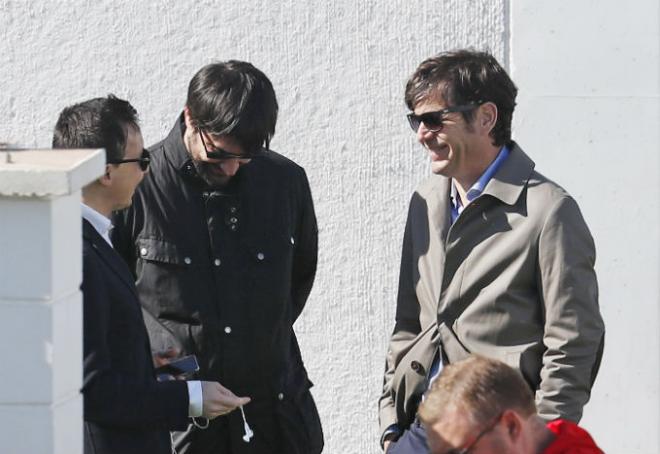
451,147
455,433
126,176
215,172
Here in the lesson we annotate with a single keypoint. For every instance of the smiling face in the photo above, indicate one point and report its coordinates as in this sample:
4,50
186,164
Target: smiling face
451,148
458,149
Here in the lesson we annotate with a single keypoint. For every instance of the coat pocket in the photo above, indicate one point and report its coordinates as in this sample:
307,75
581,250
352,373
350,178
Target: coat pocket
167,280
300,424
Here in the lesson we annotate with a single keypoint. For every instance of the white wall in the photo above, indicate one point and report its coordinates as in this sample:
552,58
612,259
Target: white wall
589,115
339,69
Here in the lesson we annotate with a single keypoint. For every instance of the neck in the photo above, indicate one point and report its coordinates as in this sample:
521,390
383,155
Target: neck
96,202
479,162
541,436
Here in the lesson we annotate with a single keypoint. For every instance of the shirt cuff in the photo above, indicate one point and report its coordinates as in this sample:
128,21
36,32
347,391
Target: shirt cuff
195,400
393,429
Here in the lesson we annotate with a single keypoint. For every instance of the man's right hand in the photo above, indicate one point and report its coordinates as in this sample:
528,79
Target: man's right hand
218,400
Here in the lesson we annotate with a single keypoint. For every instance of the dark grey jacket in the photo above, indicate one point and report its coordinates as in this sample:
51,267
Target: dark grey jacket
224,275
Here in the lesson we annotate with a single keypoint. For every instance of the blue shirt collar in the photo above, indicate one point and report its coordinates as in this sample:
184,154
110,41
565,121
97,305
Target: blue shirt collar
478,187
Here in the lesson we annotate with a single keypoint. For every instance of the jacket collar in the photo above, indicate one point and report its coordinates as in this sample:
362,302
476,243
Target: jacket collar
108,255
176,150
506,185
511,178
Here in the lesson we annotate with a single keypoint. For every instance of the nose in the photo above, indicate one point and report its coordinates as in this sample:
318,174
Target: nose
230,166
423,133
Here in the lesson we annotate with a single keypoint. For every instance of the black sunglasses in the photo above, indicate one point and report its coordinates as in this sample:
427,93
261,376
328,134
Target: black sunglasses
219,153
143,160
433,120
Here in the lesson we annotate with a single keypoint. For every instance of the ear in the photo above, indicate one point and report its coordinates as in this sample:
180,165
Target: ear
487,117
512,424
106,178
187,118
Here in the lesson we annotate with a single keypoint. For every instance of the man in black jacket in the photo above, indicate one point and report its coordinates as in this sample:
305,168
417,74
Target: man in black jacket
125,409
222,237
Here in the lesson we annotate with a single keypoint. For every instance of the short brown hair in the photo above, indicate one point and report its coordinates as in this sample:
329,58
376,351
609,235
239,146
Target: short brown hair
482,387
466,76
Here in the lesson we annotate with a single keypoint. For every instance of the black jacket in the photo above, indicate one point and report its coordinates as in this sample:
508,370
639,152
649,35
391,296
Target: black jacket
125,409
224,275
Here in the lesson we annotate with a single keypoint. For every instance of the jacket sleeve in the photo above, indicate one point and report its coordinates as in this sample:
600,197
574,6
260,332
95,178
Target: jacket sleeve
406,328
573,330
306,248
113,396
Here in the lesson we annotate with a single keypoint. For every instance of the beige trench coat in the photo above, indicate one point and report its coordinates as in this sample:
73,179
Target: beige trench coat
513,279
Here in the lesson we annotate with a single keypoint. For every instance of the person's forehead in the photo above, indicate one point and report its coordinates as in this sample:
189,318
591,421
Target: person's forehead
134,144
430,105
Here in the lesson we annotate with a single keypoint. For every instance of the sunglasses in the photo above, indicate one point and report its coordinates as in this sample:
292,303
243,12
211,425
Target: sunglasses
219,153
143,160
434,120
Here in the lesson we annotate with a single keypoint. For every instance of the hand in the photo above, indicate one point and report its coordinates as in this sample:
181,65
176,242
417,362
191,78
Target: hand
163,357
389,438
218,400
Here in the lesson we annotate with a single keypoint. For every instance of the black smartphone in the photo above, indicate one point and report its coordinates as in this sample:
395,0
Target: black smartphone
182,366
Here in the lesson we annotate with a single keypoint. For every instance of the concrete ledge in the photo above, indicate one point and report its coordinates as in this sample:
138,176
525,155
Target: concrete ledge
46,173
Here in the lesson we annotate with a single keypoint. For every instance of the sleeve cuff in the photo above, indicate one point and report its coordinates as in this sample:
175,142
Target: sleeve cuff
195,400
393,429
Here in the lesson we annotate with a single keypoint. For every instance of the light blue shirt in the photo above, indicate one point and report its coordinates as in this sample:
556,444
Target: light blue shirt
478,187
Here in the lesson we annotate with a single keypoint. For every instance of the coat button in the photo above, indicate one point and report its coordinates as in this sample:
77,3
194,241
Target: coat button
293,241
233,220
143,251
417,367
232,209
232,227
187,260
217,262
228,329
280,396
260,256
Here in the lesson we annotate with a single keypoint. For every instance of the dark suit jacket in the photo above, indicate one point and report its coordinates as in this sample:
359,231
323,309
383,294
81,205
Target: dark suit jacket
126,410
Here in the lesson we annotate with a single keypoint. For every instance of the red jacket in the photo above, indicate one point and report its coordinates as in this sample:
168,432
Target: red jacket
570,439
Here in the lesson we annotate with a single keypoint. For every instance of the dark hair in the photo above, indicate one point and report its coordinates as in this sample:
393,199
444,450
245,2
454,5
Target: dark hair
96,123
482,387
236,99
462,77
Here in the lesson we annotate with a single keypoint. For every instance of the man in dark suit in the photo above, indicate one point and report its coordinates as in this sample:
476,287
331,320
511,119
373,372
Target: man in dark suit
125,409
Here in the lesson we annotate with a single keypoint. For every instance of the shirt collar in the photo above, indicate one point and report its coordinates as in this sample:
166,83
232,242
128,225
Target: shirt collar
100,223
478,187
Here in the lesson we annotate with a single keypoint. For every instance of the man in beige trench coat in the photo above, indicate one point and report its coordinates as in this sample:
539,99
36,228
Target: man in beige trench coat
496,259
